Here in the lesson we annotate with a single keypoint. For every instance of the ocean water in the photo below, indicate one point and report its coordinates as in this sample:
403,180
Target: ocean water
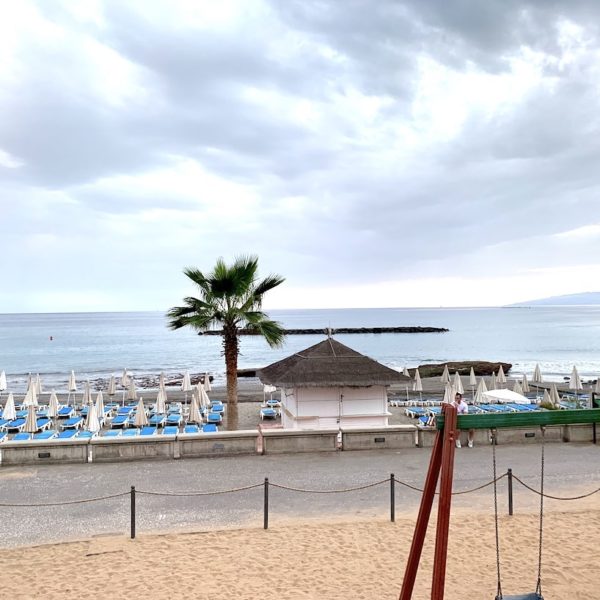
99,344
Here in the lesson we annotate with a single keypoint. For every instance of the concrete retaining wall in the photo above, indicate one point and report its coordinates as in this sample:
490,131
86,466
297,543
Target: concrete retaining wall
579,433
377,438
282,441
43,452
226,443
138,448
529,435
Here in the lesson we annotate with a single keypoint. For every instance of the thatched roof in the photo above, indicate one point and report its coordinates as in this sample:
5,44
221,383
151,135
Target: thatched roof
328,364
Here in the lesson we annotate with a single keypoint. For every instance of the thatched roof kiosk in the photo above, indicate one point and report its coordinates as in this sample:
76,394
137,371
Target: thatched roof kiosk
330,385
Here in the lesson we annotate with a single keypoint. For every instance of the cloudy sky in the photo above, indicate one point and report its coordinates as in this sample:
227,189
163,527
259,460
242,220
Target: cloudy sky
389,153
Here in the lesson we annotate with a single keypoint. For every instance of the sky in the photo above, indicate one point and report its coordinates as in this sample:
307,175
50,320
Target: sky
390,153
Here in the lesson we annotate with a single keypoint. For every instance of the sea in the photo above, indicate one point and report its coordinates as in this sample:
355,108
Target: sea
96,345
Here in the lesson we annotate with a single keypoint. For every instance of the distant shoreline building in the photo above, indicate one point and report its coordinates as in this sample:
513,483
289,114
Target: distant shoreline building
330,385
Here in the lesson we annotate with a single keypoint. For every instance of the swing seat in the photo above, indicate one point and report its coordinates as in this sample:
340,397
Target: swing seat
531,596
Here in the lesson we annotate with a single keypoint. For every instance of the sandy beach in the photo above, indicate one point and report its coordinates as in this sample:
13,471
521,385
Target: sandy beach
320,561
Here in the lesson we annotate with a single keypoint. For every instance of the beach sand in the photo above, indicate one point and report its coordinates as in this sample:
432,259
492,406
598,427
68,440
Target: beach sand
313,560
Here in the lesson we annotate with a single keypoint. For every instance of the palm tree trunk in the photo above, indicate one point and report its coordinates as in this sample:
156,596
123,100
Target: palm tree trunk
231,348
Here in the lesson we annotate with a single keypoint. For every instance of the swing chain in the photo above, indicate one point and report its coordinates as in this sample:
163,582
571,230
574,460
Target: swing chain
538,588
499,595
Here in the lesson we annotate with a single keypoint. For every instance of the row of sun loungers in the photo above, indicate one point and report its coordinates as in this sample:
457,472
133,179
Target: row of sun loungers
417,412
67,434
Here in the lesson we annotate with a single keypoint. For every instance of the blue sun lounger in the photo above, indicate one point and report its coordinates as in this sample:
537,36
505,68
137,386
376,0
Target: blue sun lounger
415,411
492,408
3,436
268,413
120,421
4,422
112,433
191,429
65,412
209,428
21,414
214,417
170,430
131,432
22,437
43,424
67,434
157,420
174,419
217,407
45,435
15,425
148,430
86,435
72,423
125,410
427,421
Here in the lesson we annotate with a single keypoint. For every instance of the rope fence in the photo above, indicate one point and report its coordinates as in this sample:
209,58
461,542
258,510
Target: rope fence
266,485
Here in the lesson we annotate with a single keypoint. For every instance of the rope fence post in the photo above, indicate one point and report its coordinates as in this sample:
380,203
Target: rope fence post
266,505
132,526
392,498
510,492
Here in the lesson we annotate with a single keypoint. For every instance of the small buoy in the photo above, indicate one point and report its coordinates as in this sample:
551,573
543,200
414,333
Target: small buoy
51,338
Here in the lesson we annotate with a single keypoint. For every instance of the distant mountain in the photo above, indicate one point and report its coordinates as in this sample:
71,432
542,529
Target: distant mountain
585,298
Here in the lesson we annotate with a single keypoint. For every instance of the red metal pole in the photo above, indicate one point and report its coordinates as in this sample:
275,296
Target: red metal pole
412,565
445,500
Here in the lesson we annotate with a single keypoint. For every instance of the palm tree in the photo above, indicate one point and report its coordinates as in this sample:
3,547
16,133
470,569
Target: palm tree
231,298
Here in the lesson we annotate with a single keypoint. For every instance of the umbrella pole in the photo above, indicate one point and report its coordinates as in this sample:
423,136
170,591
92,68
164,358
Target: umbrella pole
407,393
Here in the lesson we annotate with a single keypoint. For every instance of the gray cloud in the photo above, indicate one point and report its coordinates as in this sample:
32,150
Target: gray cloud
313,101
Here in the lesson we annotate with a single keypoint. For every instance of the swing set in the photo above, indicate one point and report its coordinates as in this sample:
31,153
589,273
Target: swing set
441,467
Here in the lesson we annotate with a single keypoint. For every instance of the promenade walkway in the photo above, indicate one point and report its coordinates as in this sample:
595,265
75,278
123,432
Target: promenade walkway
570,469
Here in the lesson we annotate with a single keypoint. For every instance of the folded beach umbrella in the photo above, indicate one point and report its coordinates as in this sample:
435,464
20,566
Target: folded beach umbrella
448,393
501,378
161,401
417,385
100,405
457,383
72,383
575,380
195,416
3,385
405,371
554,395
125,379
112,386
517,389
131,393
206,382
38,384
29,381
204,399
9,413
546,399
30,420
92,423
525,384
141,419
30,397
493,384
472,378
597,387
481,388
53,405
87,394
445,378
186,384
537,375
161,380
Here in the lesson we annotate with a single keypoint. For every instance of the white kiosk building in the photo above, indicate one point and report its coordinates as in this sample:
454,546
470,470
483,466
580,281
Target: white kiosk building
330,385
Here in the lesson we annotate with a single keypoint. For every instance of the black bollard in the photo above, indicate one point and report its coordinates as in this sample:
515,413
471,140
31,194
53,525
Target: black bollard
510,492
392,498
266,505
133,512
